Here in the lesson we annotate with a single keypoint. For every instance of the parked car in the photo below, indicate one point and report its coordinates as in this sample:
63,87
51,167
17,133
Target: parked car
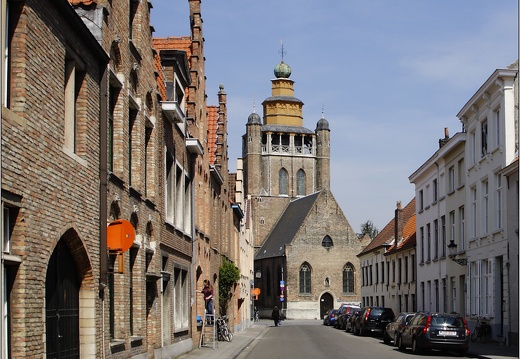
341,310
343,316
329,317
373,320
350,322
391,330
435,331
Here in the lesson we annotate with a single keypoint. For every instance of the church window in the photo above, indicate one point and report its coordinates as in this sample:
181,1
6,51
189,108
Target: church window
282,179
305,279
300,183
327,242
348,278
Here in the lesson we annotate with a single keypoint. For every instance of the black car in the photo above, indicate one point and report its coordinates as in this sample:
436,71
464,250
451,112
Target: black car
373,320
350,322
343,316
435,331
330,317
395,327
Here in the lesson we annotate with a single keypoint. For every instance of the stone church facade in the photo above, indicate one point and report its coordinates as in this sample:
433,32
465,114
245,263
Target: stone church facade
305,261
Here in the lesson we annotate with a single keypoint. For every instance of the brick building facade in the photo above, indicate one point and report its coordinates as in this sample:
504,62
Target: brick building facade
102,125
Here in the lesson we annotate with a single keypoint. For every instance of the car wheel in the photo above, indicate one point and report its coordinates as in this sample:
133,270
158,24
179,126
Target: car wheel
400,344
395,340
415,347
462,352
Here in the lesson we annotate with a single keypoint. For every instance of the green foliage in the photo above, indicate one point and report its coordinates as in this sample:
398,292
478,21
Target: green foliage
369,228
228,275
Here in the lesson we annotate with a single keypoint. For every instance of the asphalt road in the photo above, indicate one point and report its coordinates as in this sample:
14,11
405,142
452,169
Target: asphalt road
312,340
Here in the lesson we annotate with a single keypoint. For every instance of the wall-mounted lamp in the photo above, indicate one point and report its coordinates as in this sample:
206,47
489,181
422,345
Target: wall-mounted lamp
452,253
258,274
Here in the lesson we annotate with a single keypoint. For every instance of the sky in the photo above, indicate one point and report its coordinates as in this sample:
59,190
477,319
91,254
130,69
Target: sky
388,76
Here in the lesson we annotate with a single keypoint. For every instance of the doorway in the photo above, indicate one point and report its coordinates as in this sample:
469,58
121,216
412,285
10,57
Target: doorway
62,305
326,303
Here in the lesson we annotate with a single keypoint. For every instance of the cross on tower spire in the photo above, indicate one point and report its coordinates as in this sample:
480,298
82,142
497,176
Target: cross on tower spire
282,51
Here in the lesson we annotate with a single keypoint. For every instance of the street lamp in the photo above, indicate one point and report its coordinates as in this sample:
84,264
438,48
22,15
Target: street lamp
452,254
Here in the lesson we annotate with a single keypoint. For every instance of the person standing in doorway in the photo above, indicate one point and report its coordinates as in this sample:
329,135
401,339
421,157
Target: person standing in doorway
275,316
207,291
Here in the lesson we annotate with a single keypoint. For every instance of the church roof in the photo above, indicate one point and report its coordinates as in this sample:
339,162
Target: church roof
287,226
286,129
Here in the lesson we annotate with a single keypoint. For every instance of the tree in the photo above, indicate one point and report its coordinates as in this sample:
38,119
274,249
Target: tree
369,228
228,275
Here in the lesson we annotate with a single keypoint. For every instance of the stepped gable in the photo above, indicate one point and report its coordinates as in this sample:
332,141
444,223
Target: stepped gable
387,235
287,226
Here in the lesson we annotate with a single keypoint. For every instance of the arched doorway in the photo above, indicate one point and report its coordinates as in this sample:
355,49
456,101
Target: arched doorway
62,305
326,303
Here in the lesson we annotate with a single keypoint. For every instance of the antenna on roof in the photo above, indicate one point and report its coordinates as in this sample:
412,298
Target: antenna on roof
282,51
254,104
323,111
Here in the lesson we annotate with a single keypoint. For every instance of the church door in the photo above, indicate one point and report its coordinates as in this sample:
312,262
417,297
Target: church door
62,305
326,303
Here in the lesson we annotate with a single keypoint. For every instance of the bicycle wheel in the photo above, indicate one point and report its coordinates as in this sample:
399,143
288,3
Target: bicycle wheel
484,336
474,335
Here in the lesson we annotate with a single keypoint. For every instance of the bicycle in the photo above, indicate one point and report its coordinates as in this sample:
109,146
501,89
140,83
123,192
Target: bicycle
482,331
223,332
257,317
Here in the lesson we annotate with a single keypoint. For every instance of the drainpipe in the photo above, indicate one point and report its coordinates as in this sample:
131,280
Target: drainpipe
193,234
103,195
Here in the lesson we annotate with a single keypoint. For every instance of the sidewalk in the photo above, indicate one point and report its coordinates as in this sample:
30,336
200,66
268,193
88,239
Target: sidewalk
243,339
230,350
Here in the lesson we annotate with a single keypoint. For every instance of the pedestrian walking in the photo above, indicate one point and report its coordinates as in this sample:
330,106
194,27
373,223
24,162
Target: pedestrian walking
276,316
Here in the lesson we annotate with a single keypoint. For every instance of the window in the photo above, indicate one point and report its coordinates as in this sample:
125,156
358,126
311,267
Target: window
462,233
399,271
452,226
170,187
451,179
460,172
443,235
421,200
435,190
73,111
133,151
473,147
112,100
370,274
485,206
436,239
421,230
131,304
327,242
300,183
429,241
474,212
166,302
498,201
393,271
348,278
181,298
282,181
305,279
406,269
497,128
377,273
484,138
382,272
413,267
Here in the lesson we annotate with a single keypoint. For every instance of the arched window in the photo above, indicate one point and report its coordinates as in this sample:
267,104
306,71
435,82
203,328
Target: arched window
327,242
282,179
348,278
305,279
300,183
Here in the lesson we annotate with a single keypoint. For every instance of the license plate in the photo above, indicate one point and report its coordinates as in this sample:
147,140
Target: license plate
447,334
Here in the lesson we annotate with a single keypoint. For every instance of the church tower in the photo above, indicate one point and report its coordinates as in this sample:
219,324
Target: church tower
282,160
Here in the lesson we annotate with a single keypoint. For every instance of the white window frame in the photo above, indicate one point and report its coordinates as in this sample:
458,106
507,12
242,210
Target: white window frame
485,206
498,201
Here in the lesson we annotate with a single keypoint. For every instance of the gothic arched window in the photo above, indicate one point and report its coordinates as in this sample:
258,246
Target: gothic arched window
305,279
327,242
300,183
348,278
282,181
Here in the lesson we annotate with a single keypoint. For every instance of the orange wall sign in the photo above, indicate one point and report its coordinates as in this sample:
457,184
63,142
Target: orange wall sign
120,235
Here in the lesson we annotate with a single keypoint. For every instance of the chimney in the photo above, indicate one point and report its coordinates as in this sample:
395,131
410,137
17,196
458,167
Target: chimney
398,223
446,138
